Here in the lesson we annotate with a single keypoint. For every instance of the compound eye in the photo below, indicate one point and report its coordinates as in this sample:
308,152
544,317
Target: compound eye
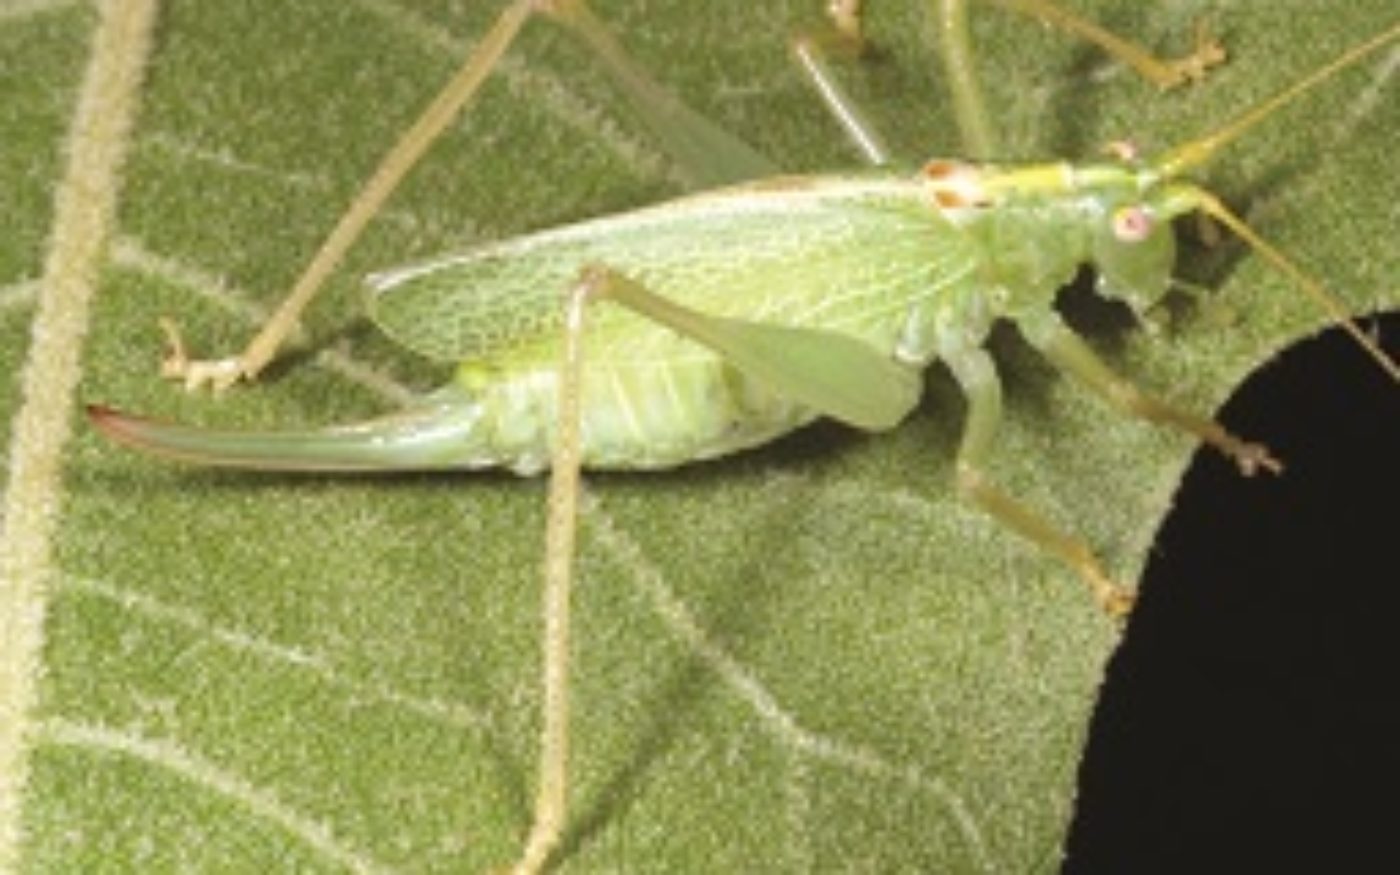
1133,224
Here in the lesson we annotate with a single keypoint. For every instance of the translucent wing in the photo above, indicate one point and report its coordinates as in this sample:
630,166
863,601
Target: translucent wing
840,254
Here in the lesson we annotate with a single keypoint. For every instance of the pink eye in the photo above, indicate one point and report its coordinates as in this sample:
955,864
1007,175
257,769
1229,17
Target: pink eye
1132,224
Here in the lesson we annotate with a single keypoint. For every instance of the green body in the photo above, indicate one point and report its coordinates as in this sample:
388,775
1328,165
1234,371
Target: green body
911,264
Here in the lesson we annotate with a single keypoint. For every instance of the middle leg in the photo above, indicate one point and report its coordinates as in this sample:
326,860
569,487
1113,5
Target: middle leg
970,109
841,36
976,375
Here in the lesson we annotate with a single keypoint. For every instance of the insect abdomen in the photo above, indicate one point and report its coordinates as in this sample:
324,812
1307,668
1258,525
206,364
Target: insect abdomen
647,416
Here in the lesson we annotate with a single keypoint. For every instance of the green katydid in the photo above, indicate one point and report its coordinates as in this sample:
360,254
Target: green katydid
745,313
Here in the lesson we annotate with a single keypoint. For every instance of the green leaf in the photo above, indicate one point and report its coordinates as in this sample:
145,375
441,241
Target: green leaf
806,657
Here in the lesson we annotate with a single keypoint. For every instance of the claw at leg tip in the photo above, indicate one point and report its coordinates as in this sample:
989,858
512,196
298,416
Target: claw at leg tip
176,363
1255,457
218,374
1117,603
1209,53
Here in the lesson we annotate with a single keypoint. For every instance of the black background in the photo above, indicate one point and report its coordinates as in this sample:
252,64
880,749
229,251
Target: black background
1251,720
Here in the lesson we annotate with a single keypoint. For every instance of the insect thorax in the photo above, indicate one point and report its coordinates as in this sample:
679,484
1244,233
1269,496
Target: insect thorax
1037,224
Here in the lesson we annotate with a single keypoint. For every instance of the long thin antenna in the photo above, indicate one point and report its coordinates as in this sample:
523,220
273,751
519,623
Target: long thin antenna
1211,206
1197,152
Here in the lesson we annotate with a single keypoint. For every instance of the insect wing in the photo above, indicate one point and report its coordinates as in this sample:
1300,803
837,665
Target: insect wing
840,254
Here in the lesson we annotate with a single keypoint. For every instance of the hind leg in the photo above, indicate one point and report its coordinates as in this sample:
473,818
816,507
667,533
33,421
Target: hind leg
706,154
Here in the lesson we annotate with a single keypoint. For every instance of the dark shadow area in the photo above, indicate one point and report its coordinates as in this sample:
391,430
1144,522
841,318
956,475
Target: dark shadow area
1092,315
1249,722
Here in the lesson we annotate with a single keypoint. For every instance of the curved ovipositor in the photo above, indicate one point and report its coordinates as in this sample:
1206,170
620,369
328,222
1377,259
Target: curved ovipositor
435,433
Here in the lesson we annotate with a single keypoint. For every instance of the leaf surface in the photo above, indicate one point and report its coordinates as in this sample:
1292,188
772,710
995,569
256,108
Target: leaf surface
810,657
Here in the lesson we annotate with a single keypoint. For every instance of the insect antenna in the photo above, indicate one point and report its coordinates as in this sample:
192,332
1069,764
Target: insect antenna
1212,207
1197,152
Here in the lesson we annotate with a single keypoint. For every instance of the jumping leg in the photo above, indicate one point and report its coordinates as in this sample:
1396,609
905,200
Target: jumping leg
551,797
708,154
834,373
222,373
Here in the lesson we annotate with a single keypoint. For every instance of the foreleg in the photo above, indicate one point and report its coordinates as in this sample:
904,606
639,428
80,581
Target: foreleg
1068,351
